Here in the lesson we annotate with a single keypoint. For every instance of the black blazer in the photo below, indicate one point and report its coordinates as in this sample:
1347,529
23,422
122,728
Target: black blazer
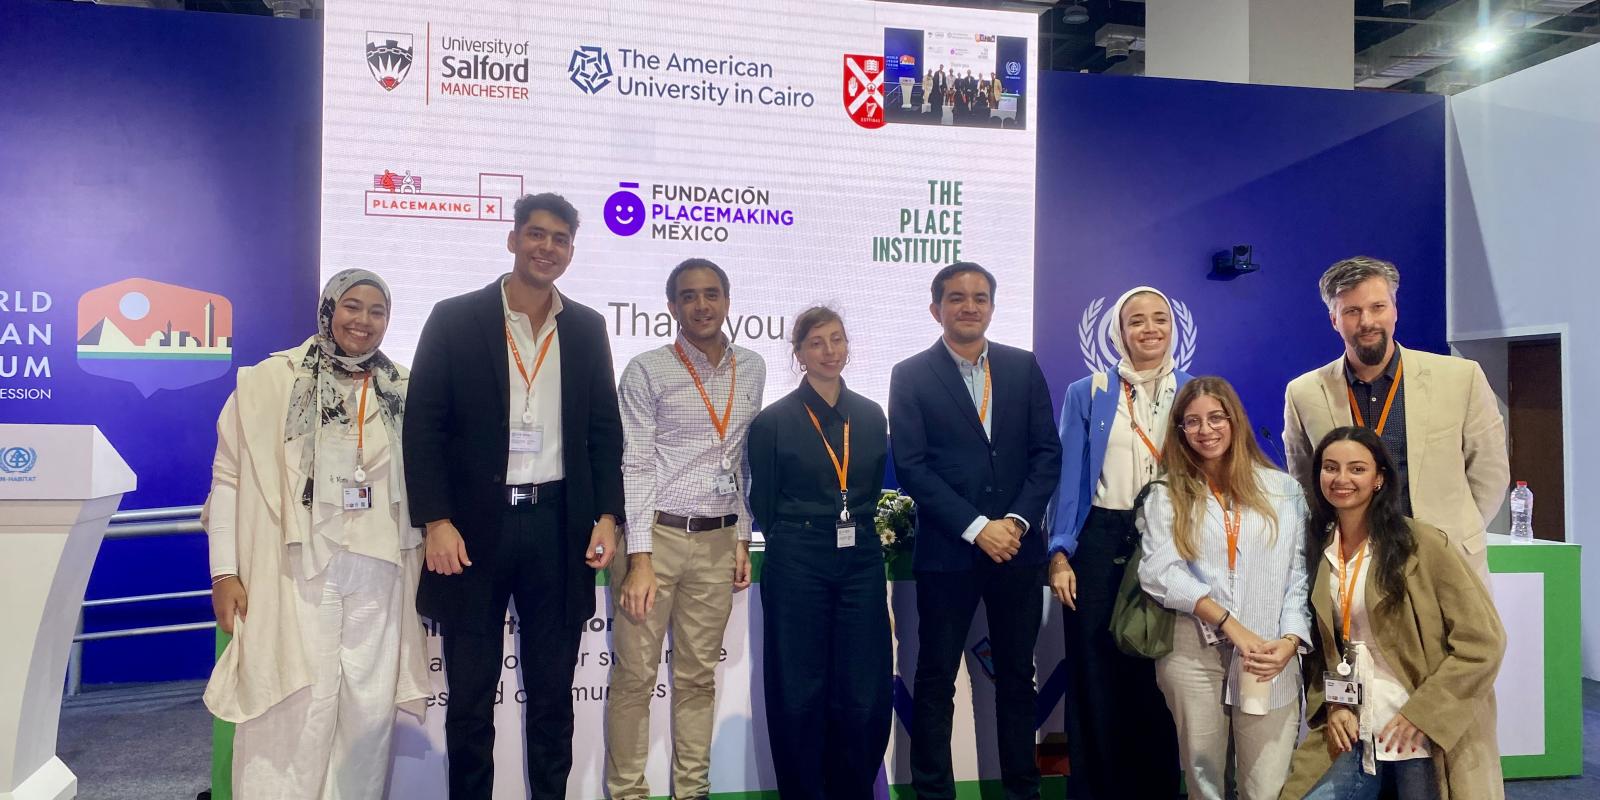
955,473
456,434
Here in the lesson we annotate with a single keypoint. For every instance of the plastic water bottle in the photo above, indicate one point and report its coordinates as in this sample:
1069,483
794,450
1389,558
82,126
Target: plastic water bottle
1522,513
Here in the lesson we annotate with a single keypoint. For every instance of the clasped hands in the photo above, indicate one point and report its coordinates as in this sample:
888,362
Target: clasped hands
1000,539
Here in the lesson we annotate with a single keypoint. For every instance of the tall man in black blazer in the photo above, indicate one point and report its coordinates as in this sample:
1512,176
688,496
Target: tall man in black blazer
975,446
513,462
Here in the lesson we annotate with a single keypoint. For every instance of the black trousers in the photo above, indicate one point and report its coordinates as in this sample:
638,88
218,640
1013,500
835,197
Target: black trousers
827,669
1120,735
946,601
527,565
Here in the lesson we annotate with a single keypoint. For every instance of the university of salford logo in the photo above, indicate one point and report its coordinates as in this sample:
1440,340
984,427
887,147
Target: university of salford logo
1097,336
388,57
590,69
863,90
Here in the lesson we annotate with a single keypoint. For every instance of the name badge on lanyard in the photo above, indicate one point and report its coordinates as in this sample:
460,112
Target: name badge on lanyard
1232,523
528,437
357,498
1341,690
723,483
845,528
357,495
1345,686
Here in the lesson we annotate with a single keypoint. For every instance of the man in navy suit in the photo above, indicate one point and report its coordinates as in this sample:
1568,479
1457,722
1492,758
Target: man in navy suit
975,446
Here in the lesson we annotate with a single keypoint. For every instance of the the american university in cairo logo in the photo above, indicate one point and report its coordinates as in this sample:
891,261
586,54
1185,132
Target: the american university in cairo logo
863,90
590,69
389,57
1098,344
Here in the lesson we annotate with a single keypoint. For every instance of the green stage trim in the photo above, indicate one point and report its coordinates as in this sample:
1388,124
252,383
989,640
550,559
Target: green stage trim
221,744
1563,663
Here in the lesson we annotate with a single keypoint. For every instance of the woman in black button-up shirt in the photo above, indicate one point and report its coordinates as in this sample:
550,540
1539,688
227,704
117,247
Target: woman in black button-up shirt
828,668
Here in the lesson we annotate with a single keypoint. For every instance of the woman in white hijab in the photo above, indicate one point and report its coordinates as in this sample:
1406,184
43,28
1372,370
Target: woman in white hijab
314,563
1119,732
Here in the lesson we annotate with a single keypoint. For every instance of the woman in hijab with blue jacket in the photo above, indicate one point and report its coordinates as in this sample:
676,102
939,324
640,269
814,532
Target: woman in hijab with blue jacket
1120,734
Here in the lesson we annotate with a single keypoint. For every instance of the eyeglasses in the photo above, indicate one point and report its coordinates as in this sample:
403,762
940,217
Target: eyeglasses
1215,421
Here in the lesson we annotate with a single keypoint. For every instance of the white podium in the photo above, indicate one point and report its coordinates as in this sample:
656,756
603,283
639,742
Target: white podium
59,485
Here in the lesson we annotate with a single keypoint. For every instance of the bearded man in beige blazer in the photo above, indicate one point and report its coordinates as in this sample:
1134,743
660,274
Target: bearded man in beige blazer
1436,413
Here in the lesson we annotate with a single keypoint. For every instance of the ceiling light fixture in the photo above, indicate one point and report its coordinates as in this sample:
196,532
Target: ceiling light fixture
1075,14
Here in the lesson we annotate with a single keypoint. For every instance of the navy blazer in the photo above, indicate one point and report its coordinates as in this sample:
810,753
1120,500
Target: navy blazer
1086,418
953,471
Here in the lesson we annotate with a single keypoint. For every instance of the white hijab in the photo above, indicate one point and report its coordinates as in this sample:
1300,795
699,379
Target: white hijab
1153,389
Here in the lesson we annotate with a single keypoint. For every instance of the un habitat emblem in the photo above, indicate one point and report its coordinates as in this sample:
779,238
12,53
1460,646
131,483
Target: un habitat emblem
1097,336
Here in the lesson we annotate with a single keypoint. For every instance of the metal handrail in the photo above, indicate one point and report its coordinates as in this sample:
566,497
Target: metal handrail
144,514
98,635
144,598
138,524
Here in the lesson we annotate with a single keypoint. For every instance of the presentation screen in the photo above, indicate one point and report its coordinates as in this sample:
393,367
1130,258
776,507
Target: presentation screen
766,137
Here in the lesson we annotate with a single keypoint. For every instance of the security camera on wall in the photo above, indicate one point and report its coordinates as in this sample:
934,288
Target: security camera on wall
1233,262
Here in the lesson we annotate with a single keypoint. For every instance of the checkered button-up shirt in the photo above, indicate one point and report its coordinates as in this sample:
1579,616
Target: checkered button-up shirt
672,454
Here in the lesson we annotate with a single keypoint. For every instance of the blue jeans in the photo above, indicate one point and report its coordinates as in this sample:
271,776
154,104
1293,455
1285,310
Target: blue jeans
1345,780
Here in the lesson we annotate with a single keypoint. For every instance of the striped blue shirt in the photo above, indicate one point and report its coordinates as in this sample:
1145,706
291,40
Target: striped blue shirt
1269,592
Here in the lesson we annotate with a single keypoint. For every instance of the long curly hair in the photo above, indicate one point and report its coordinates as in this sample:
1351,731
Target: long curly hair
1387,529
1186,480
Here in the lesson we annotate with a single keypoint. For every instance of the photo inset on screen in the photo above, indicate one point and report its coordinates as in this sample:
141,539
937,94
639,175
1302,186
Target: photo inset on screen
958,78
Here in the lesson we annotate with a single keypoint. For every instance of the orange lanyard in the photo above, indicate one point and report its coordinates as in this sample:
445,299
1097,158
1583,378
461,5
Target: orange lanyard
1347,594
1127,391
1230,526
983,411
1388,402
733,380
361,420
840,468
544,349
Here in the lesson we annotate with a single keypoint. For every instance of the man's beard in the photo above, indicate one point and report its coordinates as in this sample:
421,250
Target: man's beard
1371,356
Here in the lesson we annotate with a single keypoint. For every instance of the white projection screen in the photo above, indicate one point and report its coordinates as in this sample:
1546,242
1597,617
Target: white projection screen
777,139
721,129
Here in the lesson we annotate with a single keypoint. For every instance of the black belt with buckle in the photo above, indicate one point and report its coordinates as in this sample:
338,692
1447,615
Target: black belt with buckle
695,524
532,494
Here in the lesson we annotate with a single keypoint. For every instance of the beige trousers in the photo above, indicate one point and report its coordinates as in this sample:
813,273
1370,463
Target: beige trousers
1194,679
694,598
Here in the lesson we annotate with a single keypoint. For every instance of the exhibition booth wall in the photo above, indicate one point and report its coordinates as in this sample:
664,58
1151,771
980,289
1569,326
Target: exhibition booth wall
1524,183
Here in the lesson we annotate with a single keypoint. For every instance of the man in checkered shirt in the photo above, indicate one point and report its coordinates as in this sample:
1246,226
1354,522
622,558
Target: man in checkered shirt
686,410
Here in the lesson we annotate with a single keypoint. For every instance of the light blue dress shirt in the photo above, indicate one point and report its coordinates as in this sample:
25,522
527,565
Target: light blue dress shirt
1269,592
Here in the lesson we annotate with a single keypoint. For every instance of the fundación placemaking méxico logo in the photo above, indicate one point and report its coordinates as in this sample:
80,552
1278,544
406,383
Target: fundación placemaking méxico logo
154,335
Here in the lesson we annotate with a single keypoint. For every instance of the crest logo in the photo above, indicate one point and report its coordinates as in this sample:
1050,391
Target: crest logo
18,459
389,57
1013,68
1097,336
590,69
863,90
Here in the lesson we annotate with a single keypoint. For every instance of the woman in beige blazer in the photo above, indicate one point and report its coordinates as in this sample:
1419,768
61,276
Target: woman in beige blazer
314,564
1411,644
